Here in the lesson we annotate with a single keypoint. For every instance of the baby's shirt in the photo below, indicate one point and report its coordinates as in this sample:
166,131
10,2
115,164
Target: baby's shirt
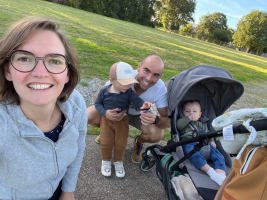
108,101
185,129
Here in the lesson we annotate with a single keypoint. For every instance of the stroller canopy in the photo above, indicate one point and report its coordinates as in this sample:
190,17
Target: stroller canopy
222,89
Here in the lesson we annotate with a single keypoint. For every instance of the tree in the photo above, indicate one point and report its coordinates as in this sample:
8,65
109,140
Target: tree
71,3
174,13
147,12
112,8
251,32
187,28
208,23
95,6
230,33
220,34
137,11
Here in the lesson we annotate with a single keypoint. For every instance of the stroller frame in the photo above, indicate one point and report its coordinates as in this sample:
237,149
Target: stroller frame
148,163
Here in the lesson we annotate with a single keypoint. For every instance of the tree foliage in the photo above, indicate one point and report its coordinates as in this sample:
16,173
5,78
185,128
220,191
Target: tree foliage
137,11
174,13
220,34
230,33
251,32
212,22
95,6
187,28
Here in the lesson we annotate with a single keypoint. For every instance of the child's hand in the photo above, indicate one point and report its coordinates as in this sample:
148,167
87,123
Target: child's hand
113,114
146,105
191,117
213,144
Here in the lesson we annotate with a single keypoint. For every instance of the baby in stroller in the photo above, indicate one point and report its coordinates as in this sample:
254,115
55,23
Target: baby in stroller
186,125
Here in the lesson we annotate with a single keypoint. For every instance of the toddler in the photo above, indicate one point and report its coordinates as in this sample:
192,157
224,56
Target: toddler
115,133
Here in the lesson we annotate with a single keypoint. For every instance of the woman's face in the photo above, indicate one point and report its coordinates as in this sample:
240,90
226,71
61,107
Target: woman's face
39,87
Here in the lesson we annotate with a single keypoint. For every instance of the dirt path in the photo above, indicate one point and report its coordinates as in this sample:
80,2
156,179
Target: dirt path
136,184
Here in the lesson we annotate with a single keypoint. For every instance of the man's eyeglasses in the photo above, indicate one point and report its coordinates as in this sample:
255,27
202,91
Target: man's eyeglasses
25,61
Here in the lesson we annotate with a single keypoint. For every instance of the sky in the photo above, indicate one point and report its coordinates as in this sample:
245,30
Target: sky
233,9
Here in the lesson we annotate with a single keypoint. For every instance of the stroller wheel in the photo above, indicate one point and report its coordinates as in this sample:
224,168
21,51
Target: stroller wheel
147,164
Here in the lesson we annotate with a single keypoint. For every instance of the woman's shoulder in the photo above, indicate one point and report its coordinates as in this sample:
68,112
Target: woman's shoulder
3,109
75,101
75,105
4,114
75,95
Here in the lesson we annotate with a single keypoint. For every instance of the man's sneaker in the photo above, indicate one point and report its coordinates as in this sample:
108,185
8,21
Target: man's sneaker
138,150
97,139
119,169
106,168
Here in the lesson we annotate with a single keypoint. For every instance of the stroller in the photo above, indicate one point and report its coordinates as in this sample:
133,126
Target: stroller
215,90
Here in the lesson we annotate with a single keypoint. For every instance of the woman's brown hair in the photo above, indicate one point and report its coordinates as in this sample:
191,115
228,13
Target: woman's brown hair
18,34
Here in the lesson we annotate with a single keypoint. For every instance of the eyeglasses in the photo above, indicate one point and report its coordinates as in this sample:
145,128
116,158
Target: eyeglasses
24,61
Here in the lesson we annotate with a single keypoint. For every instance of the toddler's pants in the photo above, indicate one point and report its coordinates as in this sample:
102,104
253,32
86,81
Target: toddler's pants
114,134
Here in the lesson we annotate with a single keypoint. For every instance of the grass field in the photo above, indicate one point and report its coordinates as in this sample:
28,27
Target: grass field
101,41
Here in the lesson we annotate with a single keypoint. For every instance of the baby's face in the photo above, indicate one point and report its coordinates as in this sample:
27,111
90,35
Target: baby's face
120,87
192,110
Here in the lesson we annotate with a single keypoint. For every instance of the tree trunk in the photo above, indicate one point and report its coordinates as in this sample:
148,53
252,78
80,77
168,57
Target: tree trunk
248,50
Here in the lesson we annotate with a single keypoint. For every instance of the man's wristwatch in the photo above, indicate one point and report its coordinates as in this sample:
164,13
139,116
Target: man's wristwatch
156,120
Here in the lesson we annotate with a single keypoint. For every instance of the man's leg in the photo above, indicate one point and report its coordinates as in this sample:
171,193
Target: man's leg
149,134
94,119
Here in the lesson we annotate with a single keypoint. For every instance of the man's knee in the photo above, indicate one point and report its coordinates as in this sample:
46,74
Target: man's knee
94,117
153,135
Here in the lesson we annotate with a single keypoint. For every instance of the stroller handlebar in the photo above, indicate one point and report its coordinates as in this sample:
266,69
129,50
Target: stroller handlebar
259,125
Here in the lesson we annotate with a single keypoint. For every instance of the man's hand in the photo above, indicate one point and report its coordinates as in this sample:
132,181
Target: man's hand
147,118
67,196
113,115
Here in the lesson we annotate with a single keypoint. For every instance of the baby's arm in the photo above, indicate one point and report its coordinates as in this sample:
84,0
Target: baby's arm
182,122
146,105
99,103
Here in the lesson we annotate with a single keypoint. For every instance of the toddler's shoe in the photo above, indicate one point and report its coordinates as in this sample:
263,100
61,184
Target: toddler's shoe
119,169
106,168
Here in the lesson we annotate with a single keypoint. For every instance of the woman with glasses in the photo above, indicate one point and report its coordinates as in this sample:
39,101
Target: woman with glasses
42,118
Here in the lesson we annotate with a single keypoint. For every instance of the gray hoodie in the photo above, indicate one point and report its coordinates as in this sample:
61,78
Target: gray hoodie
32,165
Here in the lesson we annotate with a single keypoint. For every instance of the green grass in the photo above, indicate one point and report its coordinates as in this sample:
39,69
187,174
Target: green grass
102,41
84,83
133,132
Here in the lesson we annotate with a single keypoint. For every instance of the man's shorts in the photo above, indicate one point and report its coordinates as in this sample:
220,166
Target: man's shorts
135,121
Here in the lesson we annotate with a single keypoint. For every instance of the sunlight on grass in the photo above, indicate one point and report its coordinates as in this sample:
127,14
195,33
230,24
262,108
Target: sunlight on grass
91,44
223,50
63,14
221,58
